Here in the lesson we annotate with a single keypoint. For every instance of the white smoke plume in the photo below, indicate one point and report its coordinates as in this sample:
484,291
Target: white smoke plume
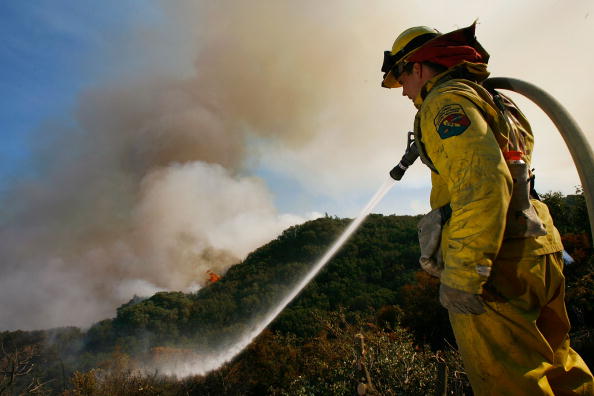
185,219
147,189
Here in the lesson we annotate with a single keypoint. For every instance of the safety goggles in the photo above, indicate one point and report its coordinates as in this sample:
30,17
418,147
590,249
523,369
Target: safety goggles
390,64
389,61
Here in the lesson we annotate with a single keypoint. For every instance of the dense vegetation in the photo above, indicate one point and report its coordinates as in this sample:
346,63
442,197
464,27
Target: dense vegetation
372,290
366,274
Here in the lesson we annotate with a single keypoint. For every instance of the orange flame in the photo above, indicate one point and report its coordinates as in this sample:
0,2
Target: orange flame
212,277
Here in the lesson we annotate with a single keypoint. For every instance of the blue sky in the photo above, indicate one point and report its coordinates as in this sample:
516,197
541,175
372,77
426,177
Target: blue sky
42,69
50,51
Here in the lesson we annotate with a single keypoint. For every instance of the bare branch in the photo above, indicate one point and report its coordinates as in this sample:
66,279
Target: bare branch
18,363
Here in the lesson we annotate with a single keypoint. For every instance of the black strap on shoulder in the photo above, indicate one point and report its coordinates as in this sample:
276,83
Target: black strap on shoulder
446,213
533,193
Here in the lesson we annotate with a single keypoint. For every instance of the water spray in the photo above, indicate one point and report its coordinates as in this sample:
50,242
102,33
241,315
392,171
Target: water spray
205,363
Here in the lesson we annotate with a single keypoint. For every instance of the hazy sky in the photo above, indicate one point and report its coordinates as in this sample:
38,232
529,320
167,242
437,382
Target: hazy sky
147,141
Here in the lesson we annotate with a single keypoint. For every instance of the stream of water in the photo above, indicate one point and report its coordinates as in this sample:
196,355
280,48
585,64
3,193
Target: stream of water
205,363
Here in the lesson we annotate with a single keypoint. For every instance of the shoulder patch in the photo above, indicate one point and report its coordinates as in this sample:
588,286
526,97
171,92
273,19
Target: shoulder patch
451,121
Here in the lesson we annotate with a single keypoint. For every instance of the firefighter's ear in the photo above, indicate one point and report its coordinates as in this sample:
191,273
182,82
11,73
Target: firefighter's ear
417,69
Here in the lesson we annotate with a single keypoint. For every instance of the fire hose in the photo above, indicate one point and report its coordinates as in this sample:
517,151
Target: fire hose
574,138
576,142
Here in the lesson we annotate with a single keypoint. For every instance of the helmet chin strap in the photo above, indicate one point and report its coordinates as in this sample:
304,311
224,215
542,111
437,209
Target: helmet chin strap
579,148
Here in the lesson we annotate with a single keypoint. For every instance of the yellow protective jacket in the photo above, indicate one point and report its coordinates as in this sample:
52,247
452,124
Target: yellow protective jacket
454,123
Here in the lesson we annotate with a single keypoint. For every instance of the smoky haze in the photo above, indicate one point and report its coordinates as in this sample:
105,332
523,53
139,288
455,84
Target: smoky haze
146,190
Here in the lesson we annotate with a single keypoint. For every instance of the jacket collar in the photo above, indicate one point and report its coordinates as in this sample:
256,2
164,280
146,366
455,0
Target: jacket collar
467,70
432,82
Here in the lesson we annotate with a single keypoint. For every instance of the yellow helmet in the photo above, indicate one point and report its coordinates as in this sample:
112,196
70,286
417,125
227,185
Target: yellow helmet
405,44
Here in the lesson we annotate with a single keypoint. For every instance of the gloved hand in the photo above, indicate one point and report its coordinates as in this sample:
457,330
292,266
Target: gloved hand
458,301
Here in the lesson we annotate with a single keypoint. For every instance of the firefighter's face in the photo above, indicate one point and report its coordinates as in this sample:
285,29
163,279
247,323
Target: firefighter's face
412,81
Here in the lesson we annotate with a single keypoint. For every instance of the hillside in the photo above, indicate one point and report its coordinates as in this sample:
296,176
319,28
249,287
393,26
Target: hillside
366,273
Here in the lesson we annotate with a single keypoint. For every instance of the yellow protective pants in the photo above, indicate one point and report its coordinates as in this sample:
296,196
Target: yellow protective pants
520,346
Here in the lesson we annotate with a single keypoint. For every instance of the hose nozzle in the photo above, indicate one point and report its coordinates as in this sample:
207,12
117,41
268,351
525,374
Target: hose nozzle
409,157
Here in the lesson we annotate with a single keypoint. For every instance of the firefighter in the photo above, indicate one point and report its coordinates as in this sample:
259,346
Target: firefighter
502,281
